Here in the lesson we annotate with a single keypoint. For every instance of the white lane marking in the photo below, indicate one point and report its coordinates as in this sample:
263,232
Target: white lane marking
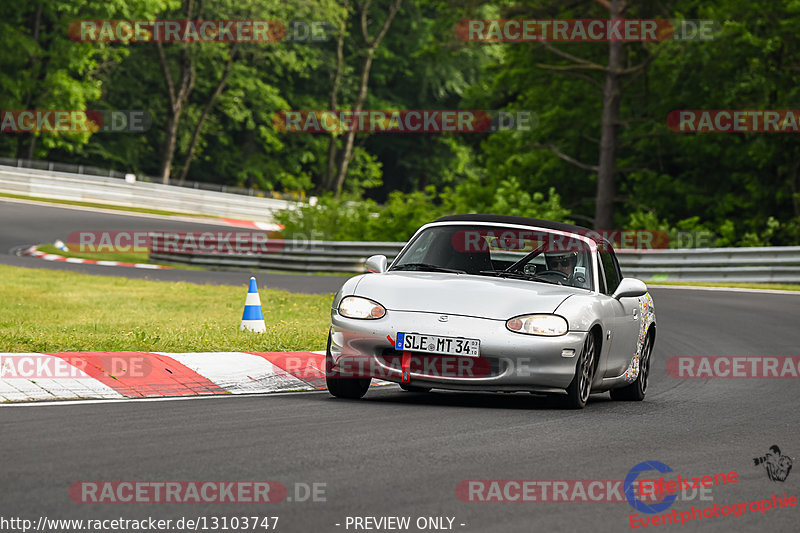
730,289
163,399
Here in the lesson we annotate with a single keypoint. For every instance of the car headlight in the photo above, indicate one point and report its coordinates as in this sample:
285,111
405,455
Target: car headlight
549,325
358,307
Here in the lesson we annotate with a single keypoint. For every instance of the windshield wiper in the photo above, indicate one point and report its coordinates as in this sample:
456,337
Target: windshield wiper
517,275
428,267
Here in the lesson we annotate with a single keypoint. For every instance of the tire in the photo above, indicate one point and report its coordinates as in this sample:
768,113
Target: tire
343,387
635,391
413,388
581,387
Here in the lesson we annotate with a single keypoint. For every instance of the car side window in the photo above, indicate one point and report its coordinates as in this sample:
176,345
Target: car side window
611,272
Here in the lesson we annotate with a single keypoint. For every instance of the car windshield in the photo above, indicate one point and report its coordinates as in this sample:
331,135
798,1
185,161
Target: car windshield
500,251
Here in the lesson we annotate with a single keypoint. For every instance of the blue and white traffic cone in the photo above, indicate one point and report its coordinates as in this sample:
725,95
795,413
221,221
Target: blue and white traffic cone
61,246
253,317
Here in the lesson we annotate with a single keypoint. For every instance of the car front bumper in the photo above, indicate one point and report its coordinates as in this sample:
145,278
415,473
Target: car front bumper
508,361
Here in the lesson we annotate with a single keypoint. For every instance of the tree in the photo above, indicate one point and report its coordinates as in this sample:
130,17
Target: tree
371,44
213,65
614,72
43,68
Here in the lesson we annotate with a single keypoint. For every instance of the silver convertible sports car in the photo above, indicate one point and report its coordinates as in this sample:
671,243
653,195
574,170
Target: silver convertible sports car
494,303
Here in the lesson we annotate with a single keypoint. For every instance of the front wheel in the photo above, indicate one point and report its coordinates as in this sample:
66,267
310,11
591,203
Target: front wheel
636,390
581,386
350,388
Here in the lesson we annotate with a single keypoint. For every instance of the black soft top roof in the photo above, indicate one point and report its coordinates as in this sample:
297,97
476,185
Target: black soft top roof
508,219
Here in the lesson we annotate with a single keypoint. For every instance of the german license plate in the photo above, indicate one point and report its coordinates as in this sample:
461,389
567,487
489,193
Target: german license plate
416,342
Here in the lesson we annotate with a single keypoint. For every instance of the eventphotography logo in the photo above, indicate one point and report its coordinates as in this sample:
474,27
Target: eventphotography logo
776,464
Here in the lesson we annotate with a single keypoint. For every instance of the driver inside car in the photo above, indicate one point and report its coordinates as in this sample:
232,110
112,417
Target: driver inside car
562,262
571,265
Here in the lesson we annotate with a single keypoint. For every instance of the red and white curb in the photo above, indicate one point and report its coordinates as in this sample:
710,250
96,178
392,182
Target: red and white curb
115,375
32,251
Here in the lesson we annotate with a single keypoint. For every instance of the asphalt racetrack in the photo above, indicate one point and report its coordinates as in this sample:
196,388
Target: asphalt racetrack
404,454
23,224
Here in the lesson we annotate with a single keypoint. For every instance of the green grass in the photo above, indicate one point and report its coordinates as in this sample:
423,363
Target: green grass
47,311
103,206
732,285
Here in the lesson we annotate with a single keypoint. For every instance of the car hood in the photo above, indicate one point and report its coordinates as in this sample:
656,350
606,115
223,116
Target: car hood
462,294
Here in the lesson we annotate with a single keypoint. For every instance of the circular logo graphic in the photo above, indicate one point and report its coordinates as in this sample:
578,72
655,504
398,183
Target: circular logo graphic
630,481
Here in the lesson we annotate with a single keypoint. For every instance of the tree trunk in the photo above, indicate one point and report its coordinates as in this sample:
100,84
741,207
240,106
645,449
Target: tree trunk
168,148
26,143
607,167
372,45
351,135
204,115
793,185
177,102
177,99
333,143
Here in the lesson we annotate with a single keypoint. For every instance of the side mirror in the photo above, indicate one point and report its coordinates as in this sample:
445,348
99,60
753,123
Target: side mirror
630,287
377,264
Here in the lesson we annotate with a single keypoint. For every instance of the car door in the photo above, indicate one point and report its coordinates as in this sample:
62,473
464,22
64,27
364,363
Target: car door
623,315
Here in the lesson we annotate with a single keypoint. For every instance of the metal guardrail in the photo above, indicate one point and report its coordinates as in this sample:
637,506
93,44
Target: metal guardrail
74,168
66,186
298,255
776,264
771,264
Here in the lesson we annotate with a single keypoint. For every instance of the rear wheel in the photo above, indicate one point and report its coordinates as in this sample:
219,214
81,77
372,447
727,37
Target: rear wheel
350,388
635,391
581,386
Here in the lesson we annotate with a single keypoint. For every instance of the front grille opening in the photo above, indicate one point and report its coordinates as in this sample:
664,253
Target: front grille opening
450,366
